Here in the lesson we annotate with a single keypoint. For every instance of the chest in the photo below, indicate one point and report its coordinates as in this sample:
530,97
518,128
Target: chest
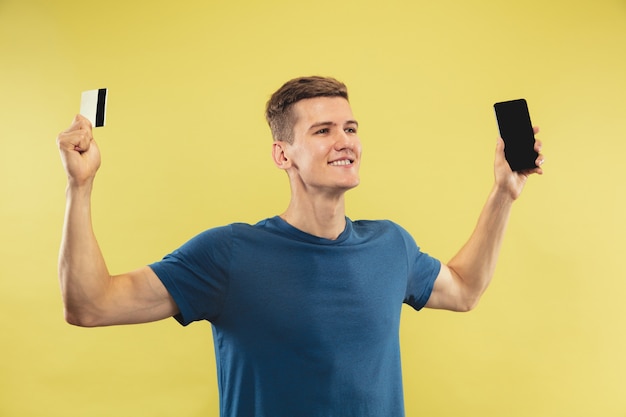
311,295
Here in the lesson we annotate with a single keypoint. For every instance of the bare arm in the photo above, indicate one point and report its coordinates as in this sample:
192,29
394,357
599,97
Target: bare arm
467,275
92,297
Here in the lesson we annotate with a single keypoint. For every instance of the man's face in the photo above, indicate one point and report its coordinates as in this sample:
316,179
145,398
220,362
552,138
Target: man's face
326,152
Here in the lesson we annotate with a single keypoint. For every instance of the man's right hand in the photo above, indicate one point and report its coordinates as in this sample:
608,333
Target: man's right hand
91,296
79,152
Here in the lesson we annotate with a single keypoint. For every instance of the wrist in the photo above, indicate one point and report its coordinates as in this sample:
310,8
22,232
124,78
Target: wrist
502,195
78,190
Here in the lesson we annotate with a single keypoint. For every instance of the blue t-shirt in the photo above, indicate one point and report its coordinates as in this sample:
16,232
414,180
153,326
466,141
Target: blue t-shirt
303,326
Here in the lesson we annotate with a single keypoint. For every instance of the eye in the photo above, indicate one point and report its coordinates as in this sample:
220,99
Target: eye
350,130
322,131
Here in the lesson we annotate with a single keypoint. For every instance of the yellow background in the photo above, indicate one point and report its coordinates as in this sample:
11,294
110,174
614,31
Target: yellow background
186,148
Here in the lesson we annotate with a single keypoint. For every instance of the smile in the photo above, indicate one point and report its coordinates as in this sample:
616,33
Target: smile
341,162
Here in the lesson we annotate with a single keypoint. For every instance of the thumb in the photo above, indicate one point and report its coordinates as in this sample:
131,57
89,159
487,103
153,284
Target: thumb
500,145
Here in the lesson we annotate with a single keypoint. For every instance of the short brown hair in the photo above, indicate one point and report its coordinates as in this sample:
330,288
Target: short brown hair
278,111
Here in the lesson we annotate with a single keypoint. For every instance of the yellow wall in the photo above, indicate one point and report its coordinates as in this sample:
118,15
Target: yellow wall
186,148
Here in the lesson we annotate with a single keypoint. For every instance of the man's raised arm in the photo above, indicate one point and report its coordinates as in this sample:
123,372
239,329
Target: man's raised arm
92,297
467,275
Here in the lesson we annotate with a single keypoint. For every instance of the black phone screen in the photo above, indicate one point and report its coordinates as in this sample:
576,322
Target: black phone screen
517,132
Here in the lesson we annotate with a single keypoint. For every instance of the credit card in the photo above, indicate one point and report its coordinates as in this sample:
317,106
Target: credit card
93,104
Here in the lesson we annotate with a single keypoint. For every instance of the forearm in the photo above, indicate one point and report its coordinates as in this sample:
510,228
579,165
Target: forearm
475,263
83,273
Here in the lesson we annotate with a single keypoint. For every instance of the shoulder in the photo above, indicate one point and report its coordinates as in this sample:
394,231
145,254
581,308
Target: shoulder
391,233
228,232
374,227
227,237
213,234
214,240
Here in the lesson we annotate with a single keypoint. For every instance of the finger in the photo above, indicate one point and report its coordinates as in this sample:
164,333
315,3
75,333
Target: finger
500,161
82,140
540,161
79,122
536,129
528,172
77,140
500,145
78,136
538,146
84,122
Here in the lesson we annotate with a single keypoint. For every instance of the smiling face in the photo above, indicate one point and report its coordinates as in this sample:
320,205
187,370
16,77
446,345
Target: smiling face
326,152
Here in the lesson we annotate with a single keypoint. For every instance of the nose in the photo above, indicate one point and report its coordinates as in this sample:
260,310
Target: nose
347,141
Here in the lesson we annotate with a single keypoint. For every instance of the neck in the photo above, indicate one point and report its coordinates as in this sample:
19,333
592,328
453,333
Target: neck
324,218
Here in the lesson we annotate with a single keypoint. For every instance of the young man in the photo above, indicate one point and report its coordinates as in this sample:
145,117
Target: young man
305,306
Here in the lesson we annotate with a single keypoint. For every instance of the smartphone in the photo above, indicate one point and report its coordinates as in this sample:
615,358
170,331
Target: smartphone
517,132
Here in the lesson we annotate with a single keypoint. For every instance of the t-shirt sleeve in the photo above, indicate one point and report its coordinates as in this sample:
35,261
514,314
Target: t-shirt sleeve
423,270
196,275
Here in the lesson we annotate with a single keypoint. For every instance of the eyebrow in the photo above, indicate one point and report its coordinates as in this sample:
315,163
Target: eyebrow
321,124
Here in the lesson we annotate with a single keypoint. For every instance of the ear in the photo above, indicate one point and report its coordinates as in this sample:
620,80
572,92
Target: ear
279,155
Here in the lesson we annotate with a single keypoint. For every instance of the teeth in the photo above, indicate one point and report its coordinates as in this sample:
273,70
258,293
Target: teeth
340,163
